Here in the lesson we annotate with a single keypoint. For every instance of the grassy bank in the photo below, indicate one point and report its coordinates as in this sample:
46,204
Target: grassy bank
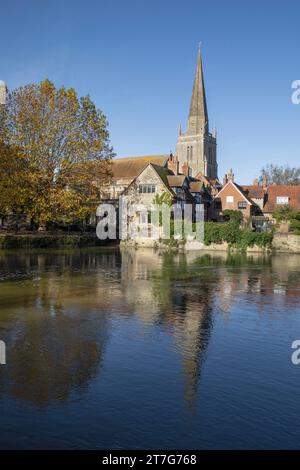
47,240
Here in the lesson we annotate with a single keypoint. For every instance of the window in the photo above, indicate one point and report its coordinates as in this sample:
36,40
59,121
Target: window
242,205
191,154
188,154
143,218
282,200
147,188
229,199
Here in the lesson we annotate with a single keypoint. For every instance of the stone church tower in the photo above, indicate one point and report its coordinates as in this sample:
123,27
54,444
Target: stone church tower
197,146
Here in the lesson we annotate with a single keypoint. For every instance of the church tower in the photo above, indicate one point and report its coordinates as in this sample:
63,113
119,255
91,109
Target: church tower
197,146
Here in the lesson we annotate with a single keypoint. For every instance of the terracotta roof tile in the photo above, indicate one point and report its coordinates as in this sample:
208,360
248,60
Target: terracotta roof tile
253,191
292,192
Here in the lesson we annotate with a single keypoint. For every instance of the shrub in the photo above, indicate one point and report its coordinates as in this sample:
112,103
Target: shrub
295,226
286,213
234,236
221,232
233,216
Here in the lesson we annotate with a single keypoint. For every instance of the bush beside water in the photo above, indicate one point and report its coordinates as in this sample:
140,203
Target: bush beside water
236,237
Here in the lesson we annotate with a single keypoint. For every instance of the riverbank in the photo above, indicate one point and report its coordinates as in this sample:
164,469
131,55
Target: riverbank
50,240
281,243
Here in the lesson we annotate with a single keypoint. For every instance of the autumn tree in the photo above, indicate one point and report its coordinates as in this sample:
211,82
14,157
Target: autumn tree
66,150
13,167
281,174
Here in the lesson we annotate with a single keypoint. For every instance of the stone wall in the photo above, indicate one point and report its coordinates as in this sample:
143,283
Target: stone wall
286,243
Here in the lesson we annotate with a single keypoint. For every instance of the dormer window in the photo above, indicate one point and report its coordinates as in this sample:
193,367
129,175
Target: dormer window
282,200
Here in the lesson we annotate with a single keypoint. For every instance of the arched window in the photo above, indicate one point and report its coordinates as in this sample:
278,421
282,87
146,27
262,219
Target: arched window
188,154
191,153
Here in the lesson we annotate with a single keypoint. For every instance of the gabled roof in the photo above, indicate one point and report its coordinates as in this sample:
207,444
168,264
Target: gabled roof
208,181
130,168
253,191
163,174
292,192
196,186
176,181
238,188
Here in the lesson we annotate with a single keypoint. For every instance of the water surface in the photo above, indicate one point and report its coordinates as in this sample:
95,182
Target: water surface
131,349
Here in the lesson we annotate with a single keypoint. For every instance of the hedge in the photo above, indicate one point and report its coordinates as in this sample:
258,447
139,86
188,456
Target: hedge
229,232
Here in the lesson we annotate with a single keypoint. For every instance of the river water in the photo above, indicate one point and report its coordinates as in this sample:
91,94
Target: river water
132,349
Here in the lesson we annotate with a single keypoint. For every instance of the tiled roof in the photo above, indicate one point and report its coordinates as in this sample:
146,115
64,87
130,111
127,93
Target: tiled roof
292,192
208,181
163,173
239,188
176,181
253,191
130,168
196,186
243,192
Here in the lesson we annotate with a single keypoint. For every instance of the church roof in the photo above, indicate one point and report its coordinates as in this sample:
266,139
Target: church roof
130,168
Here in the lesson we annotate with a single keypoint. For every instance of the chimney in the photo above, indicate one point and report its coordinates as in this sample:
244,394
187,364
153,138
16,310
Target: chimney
186,169
255,182
173,164
230,175
264,182
225,180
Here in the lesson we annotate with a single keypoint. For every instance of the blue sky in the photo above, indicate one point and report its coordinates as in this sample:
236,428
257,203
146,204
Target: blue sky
137,59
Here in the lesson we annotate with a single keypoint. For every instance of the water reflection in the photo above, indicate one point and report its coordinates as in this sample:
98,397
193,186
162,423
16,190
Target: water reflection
58,310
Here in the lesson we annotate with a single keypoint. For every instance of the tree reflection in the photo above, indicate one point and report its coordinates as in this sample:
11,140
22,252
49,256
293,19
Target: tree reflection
54,333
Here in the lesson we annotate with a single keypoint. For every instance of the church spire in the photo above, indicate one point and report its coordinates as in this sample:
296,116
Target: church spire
198,116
